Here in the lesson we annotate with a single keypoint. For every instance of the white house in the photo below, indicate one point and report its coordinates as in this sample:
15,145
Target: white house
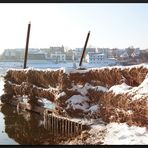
124,55
97,58
136,52
94,58
77,53
58,57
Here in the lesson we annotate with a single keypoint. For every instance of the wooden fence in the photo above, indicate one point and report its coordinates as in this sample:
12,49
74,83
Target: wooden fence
63,126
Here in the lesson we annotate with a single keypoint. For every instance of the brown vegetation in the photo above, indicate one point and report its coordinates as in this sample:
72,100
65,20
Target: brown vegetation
47,84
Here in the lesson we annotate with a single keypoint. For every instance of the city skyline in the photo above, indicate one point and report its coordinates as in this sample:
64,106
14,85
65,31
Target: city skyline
53,24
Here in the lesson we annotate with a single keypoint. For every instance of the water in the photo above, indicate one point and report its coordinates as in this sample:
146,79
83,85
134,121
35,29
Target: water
4,138
24,128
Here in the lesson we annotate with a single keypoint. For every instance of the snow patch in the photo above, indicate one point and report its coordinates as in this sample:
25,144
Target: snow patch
94,108
57,96
121,133
1,86
83,89
78,102
46,103
120,89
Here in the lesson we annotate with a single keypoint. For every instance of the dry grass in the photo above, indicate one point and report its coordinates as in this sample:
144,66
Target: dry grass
118,108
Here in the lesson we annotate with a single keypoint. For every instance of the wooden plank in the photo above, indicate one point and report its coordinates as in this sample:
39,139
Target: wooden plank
66,126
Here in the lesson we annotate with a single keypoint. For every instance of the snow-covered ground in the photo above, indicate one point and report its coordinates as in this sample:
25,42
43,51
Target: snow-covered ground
111,134
121,133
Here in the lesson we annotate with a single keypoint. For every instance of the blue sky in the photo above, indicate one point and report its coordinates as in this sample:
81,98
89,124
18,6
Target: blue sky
111,25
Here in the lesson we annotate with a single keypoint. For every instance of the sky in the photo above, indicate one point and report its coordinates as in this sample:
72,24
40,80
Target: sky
111,25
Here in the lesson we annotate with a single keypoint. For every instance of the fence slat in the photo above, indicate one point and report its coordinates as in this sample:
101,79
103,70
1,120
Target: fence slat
57,125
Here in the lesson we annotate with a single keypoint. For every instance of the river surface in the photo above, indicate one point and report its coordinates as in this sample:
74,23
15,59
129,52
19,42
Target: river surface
24,128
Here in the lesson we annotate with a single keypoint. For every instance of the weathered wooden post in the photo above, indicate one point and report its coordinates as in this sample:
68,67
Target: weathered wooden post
27,43
56,125
84,49
66,126
49,122
62,126
71,125
77,128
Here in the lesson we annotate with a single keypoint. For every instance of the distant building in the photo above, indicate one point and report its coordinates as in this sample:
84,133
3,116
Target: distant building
136,53
12,54
57,49
69,55
106,51
58,57
18,54
124,55
91,50
36,54
94,58
78,52
100,59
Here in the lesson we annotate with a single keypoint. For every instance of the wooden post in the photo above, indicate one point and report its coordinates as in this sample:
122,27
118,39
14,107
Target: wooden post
49,122
68,131
62,126
71,127
81,127
66,126
27,43
84,49
44,119
54,125
77,128
57,125
60,121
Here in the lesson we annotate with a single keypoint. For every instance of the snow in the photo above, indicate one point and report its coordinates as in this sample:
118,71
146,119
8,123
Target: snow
68,71
121,133
142,89
1,86
94,108
101,88
138,92
60,95
112,134
78,102
119,89
46,103
80,88
81,102
83,89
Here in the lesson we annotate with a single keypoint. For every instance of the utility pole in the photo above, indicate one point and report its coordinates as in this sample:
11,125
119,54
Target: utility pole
84,49
27,43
